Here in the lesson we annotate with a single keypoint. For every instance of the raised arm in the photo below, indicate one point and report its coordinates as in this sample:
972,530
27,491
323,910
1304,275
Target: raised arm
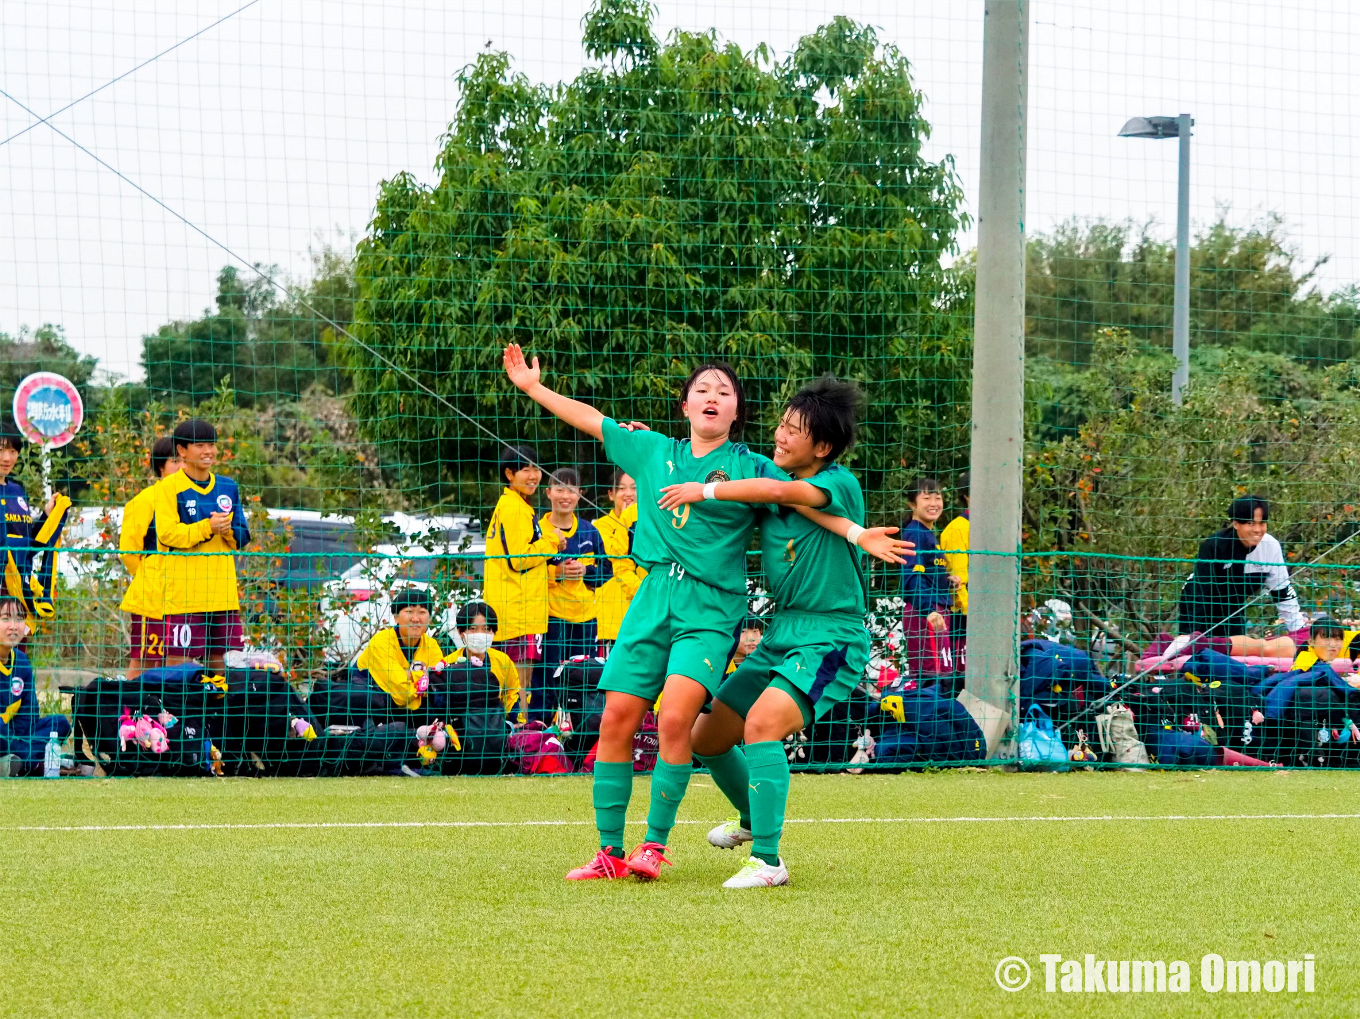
527,377
756,490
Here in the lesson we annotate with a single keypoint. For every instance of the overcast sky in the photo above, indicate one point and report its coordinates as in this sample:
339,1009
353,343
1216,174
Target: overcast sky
273,128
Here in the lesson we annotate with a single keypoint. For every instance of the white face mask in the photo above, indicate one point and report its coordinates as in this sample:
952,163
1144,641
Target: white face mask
478,643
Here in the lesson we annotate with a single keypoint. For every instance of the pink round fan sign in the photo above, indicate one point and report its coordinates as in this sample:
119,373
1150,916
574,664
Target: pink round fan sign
48,409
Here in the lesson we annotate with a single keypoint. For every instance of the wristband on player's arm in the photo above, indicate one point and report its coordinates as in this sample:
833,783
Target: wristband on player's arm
853,534
711,490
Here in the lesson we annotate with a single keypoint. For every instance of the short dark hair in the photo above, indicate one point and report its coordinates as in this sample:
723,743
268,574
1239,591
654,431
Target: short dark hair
412,597
565,477
162,449
514,458
829,409
471,611
723,368
1326,626
8,601
616,478
1242,510
921,485
10,436
963,485
193,430
754,623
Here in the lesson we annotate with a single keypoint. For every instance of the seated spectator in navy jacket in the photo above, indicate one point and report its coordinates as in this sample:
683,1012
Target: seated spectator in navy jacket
23,731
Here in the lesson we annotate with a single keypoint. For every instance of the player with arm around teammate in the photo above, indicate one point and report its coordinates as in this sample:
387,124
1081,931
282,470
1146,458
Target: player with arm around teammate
683,623
815,649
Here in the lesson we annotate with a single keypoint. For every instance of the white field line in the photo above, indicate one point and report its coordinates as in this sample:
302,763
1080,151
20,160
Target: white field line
1020,819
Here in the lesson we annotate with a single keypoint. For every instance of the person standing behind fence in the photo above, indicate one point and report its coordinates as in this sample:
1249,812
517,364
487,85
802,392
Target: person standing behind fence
137,538
24,537
954,544
572,580
613,597
199,515
926,592
517,554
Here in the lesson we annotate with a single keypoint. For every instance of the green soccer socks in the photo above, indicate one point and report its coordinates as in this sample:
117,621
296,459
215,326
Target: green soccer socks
730,774
611,791
668,789
769,791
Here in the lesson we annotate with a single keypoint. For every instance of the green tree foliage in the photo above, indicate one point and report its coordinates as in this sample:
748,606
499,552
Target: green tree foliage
1249,289
1137,476
269,348
681,200
43,350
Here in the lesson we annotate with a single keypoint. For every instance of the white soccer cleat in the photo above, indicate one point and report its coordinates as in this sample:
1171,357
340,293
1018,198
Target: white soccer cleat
758,874
729,835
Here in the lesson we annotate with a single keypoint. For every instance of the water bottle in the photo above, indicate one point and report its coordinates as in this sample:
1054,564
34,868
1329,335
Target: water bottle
52,757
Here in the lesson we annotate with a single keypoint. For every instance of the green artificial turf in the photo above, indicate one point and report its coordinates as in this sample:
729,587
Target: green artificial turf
885,918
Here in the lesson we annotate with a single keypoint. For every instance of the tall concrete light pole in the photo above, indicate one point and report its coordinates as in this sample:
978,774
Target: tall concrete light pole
998,433
1175,127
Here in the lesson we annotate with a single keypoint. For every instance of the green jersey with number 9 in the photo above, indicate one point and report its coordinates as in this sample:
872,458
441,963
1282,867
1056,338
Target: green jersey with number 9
709,539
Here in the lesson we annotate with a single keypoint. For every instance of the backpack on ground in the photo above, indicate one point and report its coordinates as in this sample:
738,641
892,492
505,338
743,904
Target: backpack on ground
1119,736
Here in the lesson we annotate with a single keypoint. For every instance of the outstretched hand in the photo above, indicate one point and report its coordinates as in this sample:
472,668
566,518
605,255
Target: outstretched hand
524,376
877,541
679,495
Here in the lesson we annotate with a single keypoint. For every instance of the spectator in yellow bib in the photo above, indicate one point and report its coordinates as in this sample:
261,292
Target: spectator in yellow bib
616,532
401,659
145,595
517,554
476,622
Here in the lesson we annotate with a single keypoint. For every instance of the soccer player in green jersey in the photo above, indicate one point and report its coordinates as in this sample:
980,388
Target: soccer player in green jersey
815,649
684,621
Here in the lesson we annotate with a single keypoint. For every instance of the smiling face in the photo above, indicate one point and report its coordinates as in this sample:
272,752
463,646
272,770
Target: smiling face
564,498
525,480
624,494
794,450
1251,532
710,406
197,458
928,507
412,622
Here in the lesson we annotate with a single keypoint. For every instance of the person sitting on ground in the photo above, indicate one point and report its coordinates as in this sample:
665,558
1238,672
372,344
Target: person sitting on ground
1233,567
136,539
1328,640
476,628
752,633
24,732
401,659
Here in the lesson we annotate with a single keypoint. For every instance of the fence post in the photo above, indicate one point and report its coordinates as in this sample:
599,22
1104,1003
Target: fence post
998,432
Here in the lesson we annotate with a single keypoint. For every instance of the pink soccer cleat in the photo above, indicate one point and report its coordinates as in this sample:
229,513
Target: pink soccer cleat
603,866
645,861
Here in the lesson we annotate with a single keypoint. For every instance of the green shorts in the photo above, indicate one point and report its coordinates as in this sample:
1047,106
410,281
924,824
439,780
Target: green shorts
675,625
817,660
